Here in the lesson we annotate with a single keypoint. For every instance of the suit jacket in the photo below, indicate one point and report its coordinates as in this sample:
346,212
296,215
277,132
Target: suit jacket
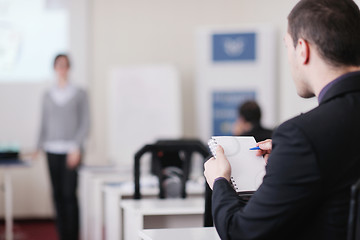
305,193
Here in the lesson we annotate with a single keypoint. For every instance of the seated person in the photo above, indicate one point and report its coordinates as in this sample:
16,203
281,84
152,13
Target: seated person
248,122
305,193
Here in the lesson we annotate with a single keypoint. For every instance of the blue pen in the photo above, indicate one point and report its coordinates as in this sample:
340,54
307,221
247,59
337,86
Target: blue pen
255,148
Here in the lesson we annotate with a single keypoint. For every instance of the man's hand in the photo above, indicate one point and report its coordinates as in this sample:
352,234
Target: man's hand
217,167
73,159
266,147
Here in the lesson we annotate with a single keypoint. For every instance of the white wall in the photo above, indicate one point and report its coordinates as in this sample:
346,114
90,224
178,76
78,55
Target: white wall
20,114
157,31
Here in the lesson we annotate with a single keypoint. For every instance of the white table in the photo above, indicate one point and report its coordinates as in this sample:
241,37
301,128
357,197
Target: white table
208,233
91,180
114,193
161,213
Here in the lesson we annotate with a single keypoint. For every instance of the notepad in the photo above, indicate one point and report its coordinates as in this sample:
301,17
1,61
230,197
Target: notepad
247,169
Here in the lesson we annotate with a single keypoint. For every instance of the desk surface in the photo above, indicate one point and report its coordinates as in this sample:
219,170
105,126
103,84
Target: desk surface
13,163
208,233
152,188
165,206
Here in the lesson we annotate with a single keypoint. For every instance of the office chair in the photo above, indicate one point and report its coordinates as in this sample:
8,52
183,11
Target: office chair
175,155
354,215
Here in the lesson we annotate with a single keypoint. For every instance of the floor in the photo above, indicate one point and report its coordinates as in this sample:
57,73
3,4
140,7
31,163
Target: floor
31,230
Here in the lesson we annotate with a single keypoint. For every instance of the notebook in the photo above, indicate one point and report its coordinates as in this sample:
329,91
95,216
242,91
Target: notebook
247,169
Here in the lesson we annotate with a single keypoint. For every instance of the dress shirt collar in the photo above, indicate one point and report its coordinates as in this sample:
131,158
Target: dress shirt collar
330,84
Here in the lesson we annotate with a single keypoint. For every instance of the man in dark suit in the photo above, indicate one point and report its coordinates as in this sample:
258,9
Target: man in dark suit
249,122
314,160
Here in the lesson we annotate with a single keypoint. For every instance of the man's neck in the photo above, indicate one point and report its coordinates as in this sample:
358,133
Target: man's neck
329,74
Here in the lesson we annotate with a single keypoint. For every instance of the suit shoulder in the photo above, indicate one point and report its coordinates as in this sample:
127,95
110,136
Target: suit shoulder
295,129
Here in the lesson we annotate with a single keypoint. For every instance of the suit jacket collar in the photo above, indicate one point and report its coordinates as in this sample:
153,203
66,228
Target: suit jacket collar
349,84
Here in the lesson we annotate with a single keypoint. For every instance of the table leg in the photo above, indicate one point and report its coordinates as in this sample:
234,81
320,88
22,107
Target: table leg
8,207
133,224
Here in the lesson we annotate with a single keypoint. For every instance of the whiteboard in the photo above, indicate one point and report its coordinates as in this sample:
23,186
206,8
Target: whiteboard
144,105
31,36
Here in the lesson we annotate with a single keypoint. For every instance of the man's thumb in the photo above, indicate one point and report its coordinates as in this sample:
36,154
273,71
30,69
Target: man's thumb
219,150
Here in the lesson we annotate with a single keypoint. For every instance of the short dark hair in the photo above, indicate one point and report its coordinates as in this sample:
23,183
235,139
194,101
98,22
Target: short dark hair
332,25
64,56
250,111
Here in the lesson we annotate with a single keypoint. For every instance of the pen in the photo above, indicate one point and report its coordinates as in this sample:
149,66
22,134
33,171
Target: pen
255,148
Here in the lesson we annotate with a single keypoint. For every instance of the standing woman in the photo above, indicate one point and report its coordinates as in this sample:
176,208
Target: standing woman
64,127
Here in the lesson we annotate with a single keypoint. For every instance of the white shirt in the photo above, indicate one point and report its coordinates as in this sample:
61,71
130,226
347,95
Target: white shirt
62,95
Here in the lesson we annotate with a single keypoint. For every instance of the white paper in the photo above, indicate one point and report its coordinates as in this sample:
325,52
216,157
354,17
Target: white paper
247,169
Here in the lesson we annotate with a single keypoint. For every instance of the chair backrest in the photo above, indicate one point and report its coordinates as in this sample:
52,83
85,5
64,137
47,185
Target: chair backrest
354,215
186,146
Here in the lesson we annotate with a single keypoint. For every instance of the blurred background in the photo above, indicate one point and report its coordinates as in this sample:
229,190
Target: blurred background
108,40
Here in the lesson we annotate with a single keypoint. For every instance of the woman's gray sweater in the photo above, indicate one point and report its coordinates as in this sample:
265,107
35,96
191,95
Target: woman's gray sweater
68,122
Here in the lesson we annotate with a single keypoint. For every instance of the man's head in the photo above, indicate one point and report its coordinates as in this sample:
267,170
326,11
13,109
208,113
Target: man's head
249,115
250,112
331,28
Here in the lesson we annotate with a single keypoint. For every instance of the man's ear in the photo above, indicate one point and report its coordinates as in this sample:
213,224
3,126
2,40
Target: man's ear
303,51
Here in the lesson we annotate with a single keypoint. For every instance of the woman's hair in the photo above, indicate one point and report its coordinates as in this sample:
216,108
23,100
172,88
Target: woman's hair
64,56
